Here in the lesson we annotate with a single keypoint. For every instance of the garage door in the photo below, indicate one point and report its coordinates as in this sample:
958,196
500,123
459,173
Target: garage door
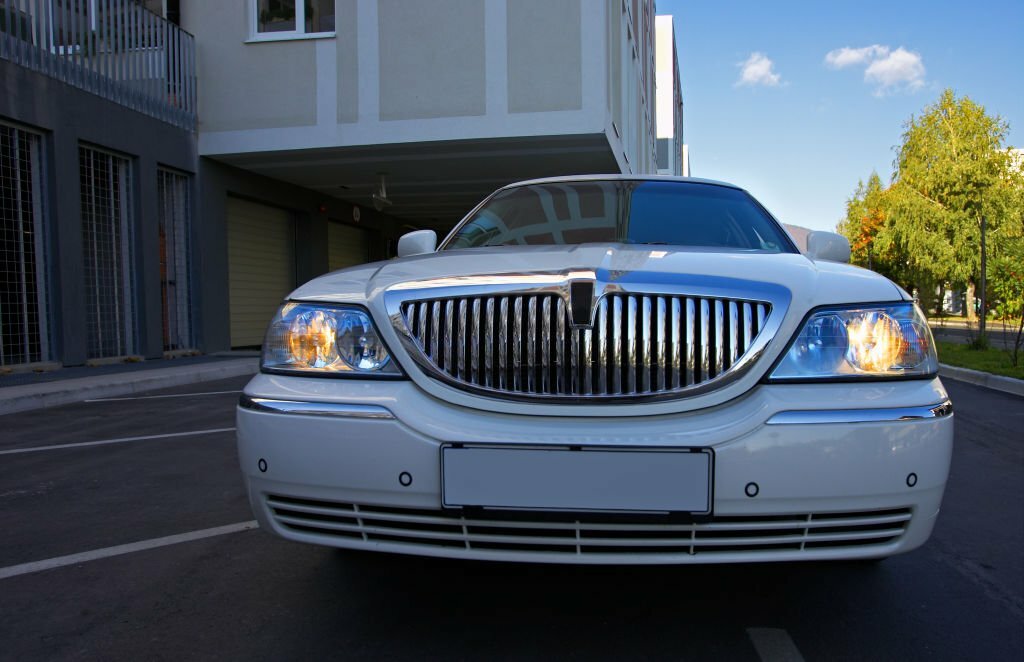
261,267
346,245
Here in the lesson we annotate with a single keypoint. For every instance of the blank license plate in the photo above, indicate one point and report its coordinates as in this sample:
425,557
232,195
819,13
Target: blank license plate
588,479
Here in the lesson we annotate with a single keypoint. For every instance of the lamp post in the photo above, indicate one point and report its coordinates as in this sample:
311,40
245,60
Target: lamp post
981,321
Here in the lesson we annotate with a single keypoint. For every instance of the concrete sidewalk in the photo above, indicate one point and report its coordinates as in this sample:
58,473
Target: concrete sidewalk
26,392
986,379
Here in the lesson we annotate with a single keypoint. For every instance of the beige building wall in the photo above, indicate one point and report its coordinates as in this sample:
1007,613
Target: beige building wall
545,69
347,46
431,58
248,85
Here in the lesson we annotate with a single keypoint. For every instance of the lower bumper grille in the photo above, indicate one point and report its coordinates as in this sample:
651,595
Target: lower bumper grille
590,535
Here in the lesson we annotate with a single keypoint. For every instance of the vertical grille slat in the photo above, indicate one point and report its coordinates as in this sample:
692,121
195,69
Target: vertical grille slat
661,361
461,341
449,331
734,339
545,346
616,339
638,345
719,348
435,328
632,338
748,330
560,345
517,346
503,346
705,344
676,348
474,344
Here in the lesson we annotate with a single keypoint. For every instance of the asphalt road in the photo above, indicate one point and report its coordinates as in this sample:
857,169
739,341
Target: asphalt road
247,595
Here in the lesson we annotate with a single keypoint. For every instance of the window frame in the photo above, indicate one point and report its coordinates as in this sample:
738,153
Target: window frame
255,36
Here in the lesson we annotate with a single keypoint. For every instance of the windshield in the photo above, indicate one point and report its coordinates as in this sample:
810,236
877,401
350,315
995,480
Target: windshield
630,212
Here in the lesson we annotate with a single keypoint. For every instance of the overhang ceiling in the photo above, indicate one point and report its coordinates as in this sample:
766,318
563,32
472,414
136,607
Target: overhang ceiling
431,185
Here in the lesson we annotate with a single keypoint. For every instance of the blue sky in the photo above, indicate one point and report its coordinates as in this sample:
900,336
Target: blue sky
800,128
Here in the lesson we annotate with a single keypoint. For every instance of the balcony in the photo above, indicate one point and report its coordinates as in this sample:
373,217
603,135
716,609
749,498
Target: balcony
116,49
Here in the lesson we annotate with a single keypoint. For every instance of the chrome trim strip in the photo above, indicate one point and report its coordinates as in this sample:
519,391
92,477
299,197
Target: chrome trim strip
818,417
314,408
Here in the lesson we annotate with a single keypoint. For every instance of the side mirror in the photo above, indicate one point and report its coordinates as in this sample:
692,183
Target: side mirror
828,246
417,243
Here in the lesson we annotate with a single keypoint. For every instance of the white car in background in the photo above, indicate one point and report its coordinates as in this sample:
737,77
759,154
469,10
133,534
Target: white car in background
602,369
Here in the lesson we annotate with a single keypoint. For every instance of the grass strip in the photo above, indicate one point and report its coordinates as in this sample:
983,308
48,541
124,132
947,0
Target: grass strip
993,360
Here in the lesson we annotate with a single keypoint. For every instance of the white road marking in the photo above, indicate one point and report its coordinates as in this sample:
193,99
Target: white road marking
117,550
104,442
160,397
772,645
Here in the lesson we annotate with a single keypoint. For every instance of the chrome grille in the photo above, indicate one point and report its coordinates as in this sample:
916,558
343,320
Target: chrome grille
525,344
577,535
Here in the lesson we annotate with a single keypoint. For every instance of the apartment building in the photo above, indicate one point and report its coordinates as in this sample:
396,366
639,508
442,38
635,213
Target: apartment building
305,137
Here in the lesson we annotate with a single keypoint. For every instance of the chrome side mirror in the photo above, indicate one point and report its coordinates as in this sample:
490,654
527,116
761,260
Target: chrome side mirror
828,246
417,243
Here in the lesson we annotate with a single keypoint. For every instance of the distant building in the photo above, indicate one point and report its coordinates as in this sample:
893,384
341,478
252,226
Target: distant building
673,155
1017,158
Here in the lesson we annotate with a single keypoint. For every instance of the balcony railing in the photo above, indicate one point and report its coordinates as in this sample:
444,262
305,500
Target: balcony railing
116,49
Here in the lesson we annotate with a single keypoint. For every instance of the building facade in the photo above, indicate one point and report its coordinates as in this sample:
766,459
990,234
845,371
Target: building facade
97,164
293,139
673,153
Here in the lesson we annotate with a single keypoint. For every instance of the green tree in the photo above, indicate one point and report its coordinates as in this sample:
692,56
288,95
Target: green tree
952,169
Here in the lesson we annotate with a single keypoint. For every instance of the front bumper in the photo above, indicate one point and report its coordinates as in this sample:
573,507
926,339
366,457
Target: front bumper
357,464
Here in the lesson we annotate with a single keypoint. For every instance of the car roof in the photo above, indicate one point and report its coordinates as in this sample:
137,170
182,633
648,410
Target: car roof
567,179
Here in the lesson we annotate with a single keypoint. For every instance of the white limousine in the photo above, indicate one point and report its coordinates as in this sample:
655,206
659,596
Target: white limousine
602,369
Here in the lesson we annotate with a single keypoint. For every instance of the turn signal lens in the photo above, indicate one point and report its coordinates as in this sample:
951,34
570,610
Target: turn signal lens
308,338
886,341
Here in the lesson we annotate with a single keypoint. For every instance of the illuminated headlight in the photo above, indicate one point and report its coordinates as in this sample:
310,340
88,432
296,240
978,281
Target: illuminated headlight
890,340
316,339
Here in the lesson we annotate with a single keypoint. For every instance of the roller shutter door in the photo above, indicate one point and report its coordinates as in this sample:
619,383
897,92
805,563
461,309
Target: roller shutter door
346,245
261,267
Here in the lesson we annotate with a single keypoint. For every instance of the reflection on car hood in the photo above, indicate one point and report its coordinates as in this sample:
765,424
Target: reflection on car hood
811,283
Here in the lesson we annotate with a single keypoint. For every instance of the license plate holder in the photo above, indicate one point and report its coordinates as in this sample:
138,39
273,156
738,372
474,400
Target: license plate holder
590,479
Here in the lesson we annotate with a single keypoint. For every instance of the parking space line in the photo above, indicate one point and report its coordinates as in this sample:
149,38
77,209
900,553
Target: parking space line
160,397
104,442
118,550
774,645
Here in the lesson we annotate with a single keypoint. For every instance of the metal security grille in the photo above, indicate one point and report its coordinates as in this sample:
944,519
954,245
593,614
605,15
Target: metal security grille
23,328
639,344
106,240
174,220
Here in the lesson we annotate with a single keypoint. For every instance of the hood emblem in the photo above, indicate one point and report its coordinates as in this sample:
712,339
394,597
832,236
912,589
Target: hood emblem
583,296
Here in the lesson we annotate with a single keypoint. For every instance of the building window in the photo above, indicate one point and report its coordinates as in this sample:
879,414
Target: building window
23,318
288,19
106,244
173,220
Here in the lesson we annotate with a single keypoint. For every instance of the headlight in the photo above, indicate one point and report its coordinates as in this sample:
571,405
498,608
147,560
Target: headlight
315,339
890,340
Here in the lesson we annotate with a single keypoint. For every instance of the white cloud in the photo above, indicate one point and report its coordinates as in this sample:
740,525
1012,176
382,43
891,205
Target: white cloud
887,69
901,69
758,70
846,57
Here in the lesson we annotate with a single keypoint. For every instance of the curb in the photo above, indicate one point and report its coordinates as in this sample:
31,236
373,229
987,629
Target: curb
988,380
36,396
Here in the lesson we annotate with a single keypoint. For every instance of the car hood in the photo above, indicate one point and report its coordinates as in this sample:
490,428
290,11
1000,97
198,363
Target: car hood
810,283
